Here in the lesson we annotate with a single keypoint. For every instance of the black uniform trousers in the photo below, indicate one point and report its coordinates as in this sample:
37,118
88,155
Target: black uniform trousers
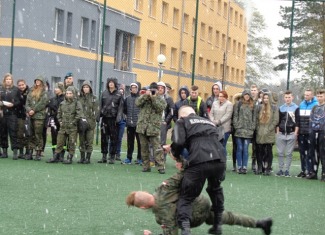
131,135
193,183
109,134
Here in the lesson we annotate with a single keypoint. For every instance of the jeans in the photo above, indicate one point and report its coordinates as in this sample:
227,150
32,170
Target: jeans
303,143
225,140
242,152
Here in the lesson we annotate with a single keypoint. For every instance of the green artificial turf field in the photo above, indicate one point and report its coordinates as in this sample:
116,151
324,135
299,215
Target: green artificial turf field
41,198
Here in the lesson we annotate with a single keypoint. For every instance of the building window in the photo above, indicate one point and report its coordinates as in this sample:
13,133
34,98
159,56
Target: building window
201,66
231,14
236,18
138,5
123,44
69,28
232,74
176,18
164,13
59,25
237,75
162,49
217,38
223,45
152,8
193,26
106,39
150,51
239,49
210,34
234,46
137,48
215,69
208,66
202,31
229,44
241,21
93,35
244,51
221,70
173,58
242,79
225,10
183,61
84,32
219,6
186,23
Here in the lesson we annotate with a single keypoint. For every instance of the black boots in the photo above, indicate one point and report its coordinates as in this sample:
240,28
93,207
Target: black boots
21,154
55,158
111,159
118,157
4,153
265,225
29,154
15,154
217,225
104,158
87,161
38,155
82,158
69,159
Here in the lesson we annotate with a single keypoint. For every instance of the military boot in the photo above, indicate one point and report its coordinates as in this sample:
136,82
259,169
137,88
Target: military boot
53,152
111,159
265,225
217,223
38,155
82,158
15,154
61,156
87,161
54,159
104,158
29,154
69,159
21,153
4,153
118,157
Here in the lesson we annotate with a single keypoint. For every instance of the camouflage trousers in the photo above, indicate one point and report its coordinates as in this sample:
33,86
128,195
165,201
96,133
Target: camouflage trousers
157,151
62,139
86,141
36,140
231,218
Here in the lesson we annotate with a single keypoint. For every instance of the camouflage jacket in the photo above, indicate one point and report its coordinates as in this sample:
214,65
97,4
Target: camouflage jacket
90,108
69,113
38,106
150,116
166,197
244,120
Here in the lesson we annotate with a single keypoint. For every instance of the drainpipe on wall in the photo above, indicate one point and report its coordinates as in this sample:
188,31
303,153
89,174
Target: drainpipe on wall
180,47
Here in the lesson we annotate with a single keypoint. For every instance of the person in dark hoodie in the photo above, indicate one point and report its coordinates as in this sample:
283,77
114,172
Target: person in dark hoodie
216,88
111,111
90,108
53,121
132,112
183,93
21,115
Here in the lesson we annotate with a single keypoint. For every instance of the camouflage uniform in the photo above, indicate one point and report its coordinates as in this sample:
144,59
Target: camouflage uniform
37,120
90,108
166,197
148,127
69,113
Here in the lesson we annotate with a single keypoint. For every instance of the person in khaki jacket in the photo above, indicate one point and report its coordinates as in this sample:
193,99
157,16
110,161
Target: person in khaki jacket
69,115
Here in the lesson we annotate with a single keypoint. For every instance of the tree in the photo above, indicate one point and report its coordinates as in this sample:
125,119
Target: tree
308,42
259,61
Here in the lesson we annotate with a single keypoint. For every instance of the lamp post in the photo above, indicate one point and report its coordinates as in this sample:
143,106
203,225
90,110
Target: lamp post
161,59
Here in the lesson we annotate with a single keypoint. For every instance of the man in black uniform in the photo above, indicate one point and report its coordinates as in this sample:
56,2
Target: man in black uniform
206,161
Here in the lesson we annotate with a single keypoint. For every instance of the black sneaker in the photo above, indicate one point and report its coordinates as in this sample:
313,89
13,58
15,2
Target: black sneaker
265,225
301,175
279,173
311,176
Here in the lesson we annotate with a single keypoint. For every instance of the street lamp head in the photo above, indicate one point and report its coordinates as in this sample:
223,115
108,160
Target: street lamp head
161,58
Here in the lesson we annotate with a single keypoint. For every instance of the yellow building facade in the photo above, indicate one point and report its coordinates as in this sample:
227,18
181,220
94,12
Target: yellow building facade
167,27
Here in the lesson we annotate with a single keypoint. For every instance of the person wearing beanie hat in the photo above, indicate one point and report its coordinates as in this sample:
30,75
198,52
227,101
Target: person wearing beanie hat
53,121
37,100
132,112
10,94
151,107
111,113
68,81
244,122
169,87
69,115
215,89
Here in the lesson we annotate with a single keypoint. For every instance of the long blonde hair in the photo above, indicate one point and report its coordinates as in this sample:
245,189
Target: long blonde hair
37,91
265,112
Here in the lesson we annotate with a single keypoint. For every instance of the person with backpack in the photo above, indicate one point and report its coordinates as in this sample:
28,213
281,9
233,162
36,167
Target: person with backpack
267,120
244,122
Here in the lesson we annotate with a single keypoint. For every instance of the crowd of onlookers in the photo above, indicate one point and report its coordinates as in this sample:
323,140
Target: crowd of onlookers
147,114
